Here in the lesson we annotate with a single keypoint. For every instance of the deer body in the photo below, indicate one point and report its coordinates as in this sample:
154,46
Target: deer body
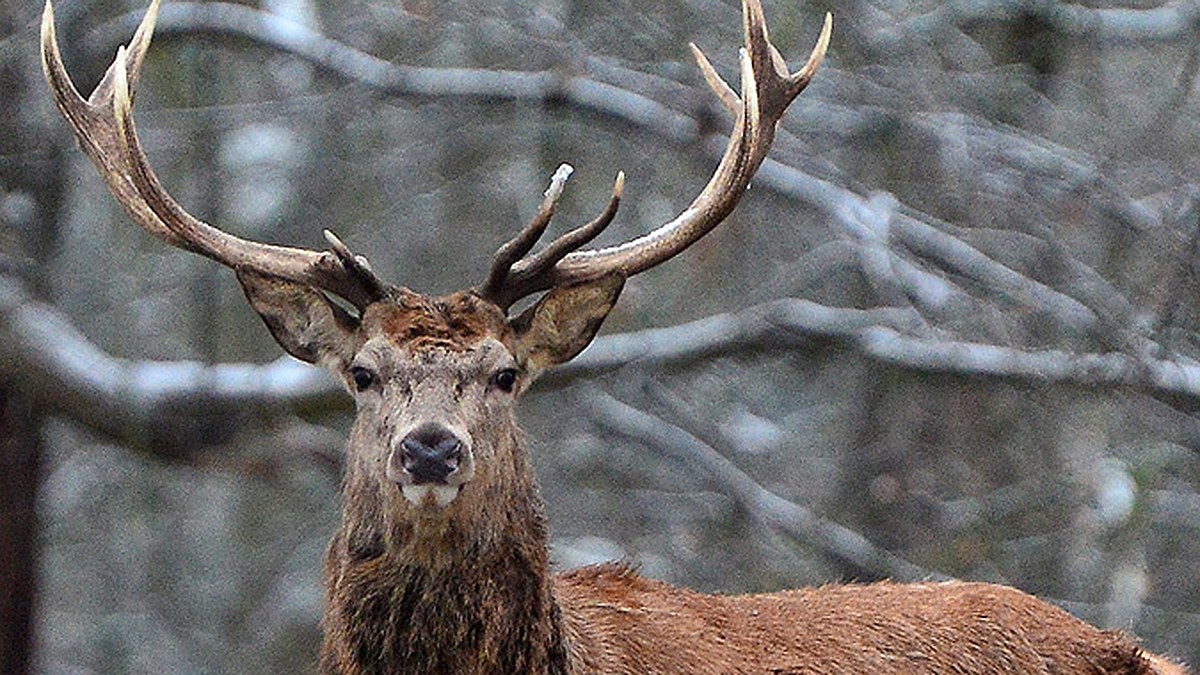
441,563
415,587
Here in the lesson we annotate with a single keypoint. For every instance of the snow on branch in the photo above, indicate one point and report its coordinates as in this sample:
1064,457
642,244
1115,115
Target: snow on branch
1159,377
143,403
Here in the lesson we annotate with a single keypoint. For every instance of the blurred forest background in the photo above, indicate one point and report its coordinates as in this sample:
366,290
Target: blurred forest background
953,329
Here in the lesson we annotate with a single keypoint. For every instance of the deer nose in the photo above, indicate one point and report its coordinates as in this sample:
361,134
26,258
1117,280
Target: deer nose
429,453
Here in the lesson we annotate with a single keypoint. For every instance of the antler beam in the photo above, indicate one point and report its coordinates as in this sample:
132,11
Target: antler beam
103,123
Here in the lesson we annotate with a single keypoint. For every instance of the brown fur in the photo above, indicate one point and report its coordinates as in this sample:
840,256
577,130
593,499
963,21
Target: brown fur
885,627
467,589
454,322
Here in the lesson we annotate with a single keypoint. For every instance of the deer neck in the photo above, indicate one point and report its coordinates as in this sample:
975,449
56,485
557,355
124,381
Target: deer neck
468,594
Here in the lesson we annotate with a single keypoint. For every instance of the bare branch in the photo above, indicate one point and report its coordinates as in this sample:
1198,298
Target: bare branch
1173,379
777,325
925,240
144,403
140,401
1098,305
761,504
400,80
1172,20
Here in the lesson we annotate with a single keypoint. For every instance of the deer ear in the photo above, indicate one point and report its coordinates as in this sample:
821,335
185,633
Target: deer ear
303,321
563,322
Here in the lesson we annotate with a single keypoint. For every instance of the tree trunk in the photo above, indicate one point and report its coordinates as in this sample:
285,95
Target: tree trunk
19,454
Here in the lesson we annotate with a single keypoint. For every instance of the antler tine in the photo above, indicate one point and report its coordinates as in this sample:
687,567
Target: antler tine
767,89
357,265
518,276
88,119
514,249
571,241
105,129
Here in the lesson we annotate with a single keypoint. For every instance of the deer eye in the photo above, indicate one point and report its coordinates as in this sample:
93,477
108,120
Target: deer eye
505,380
363,377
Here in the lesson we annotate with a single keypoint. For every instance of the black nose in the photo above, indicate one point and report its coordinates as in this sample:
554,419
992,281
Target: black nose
430,453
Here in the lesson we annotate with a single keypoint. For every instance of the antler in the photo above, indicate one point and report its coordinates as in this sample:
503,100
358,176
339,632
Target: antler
104,126
512,276
768,88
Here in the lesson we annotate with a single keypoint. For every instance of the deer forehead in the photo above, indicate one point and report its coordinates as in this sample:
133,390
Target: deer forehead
421,324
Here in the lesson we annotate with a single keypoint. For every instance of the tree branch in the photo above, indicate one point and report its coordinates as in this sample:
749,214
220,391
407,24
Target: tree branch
169,407
1103,308
782,325
162,407
761,504
1168,379
1173,20
182,18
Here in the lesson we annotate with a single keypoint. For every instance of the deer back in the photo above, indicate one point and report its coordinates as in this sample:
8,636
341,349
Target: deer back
624,623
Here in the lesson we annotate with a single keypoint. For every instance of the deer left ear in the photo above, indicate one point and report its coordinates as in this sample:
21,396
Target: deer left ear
302,320
563,322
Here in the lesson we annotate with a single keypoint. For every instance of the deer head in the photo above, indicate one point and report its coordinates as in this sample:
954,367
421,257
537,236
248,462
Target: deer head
435,379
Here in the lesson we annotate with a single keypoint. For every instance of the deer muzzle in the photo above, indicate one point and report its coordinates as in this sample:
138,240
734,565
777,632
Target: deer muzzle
431,464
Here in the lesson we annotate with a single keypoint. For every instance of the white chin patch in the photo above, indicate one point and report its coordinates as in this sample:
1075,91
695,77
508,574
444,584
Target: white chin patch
430,494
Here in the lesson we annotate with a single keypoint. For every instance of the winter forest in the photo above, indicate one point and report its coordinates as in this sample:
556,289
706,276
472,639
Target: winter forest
952,331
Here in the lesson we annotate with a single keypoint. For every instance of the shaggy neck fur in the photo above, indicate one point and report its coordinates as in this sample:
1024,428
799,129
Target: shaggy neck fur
469,593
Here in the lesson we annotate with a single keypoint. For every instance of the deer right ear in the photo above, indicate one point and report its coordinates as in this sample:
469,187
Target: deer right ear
563,322
303,321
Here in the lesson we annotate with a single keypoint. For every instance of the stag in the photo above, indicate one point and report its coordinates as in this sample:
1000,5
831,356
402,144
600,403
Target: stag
440,564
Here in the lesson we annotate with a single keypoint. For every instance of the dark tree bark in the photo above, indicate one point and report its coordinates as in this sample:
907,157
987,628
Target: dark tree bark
19,458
